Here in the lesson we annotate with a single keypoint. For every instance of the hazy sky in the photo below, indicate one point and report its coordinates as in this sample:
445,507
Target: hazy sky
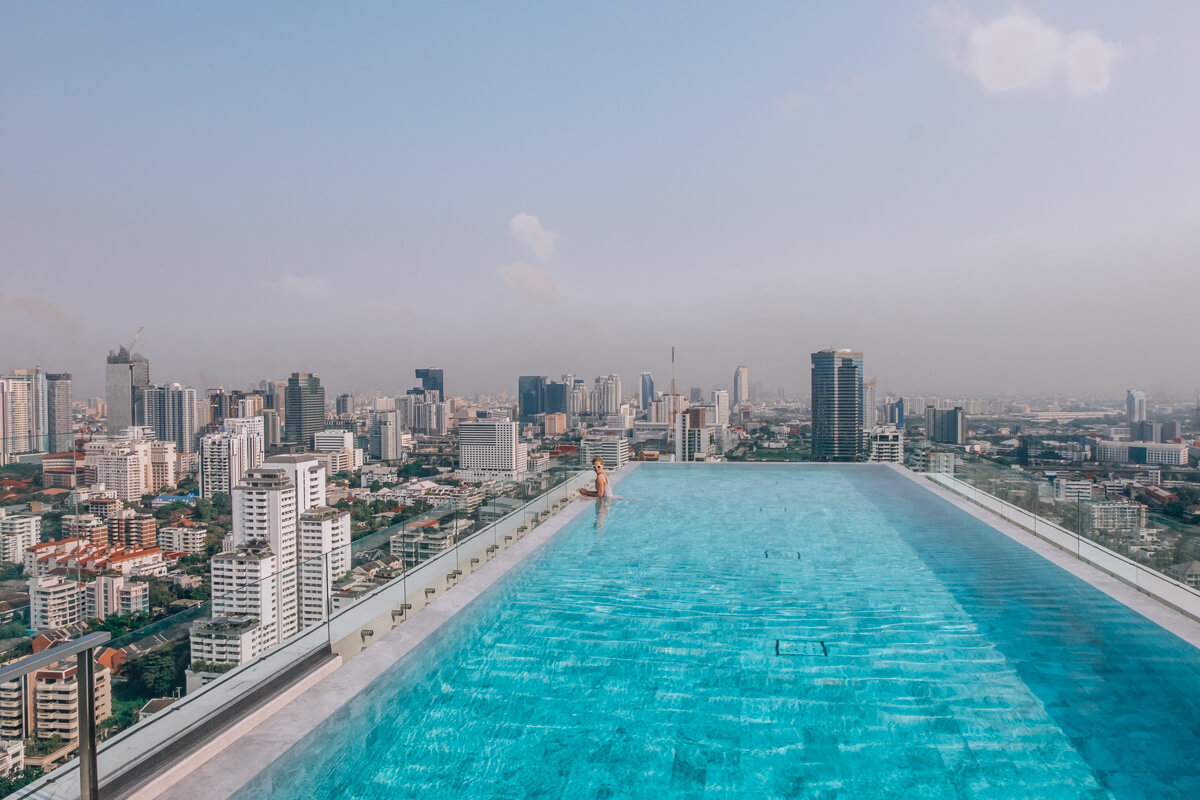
982,197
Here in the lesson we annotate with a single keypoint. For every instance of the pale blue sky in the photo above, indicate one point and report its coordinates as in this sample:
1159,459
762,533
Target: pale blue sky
981,196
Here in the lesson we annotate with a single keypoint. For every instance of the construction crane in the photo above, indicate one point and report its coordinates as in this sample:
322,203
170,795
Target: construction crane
136,336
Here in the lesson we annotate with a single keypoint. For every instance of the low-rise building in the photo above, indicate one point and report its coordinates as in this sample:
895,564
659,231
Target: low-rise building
1187,572
1168,454
183,539
113,594
1112,516
614,450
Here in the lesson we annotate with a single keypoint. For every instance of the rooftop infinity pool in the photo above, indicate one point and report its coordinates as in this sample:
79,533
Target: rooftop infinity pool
772,631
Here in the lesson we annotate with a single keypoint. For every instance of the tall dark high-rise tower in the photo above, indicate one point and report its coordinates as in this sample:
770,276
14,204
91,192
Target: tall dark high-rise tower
432,378
126,375
531,396
837,405
304,412
647,388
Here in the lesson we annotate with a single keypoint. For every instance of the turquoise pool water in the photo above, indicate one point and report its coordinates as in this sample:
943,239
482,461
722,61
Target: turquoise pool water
772,631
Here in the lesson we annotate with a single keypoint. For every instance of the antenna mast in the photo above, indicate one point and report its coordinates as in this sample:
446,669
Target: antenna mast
672,369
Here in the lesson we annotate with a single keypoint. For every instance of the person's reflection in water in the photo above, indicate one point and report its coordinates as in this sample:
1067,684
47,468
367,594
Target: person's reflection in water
602,506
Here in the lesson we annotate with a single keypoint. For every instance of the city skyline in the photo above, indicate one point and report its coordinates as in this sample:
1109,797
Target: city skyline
451,193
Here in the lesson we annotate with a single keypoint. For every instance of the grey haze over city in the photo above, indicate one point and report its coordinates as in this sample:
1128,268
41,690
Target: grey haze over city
981,197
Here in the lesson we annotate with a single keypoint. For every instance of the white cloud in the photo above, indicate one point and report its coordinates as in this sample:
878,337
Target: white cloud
527,229
1089,62
1019,51
532,284
303,285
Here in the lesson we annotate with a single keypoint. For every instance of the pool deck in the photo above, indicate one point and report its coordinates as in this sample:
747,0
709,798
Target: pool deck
244,757
1160,614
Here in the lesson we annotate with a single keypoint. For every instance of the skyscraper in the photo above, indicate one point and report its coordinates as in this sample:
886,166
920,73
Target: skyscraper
556,398
36,394
870,405
126,374
431,379
1135,405
14,418
720,401
60,429
171,412
741,386
304,412
647,390
946,426
531,396
345,404
837,405
607,395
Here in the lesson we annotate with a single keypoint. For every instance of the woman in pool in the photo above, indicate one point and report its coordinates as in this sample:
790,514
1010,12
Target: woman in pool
603,490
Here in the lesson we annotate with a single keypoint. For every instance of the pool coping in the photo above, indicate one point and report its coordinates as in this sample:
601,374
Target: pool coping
230,768
1159,613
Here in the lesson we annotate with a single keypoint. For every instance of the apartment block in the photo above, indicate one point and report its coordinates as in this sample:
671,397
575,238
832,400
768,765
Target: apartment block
55,602
183,539
18,533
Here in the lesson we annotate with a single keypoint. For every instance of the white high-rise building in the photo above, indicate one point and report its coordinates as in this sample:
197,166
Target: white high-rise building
720,401
491,448
122,465
607,395
307,473
693,437
265,513
55,602
385,437
870,405
324,557
225,457
18,533
277,577
223,462
254,429
16,432
741,385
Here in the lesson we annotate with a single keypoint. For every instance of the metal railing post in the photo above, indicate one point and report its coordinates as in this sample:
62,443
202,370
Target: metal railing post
85,682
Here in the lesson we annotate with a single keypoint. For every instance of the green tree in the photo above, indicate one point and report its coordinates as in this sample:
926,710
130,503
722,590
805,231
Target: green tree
205,510
166,511
9,571
158,672
12,630
161,595
13,782
223,503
